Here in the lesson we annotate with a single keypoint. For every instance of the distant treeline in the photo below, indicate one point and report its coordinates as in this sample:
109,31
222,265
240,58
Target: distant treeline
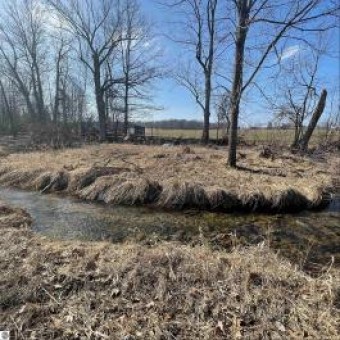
184,124
180,124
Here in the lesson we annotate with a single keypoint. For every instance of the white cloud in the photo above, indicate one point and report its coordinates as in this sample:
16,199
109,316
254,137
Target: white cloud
289,52
52,20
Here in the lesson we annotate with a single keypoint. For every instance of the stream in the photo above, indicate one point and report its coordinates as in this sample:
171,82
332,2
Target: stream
309,238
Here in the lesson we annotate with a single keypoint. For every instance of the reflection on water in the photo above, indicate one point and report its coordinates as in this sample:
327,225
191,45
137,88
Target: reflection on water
308,236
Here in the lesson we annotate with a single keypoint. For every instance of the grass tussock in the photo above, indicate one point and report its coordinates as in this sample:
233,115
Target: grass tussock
138,191
289,200
180,195
13,217
19,178
75,290
222,200
254,201
96,191
138,175
84,177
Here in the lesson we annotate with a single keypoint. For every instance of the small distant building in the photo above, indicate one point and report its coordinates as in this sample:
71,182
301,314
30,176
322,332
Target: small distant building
137,131
91,128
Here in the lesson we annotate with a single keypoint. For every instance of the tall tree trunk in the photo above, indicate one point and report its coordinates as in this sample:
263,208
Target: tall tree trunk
41,102
30,107
21,86
206,125
57,93
8,110
303,144
296,133
64,98
233,135
241,35
126,107
99,93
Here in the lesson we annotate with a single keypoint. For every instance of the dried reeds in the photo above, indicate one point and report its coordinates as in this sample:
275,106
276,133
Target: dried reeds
183,195
13,217
132,192
69,290
132,175
289,200
222,200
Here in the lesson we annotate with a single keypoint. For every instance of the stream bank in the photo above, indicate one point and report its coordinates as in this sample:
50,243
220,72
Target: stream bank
309,239
177,178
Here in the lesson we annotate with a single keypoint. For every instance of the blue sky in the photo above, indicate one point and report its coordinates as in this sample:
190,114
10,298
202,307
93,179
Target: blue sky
178,103
175,100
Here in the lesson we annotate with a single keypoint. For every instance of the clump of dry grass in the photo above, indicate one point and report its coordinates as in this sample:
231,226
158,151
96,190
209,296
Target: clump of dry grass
181,195
96,191
322,197
182,177
19,178
73,290
84,177
42,181
13,217
254,201
289,200
130,192
223,200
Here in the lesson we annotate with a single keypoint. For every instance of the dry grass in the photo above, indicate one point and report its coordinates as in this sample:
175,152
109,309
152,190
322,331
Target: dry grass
175,177
74,290
258,136
13,217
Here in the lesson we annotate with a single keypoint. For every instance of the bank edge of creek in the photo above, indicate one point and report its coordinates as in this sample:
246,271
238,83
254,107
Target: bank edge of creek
53,289
110,185
310,239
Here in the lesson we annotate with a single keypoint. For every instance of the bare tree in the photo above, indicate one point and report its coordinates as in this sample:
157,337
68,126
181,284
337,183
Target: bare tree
139,60
23,51
264,27
304,141
200,22
222,111
97,27
61,76
300,90
332,123
7,113
26,20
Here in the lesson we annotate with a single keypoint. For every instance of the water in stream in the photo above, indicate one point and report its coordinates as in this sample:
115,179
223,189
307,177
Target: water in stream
308,237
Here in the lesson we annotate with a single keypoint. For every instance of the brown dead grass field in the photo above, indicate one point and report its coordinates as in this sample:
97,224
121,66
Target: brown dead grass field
97,290
175,177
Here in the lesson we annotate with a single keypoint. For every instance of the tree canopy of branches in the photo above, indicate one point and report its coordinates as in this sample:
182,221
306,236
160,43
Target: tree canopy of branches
139,61
64,60
37,81
201,24
300,91
263,28
23,52
96,25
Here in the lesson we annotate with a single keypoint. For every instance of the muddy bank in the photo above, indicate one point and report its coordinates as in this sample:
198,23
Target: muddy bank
75,290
